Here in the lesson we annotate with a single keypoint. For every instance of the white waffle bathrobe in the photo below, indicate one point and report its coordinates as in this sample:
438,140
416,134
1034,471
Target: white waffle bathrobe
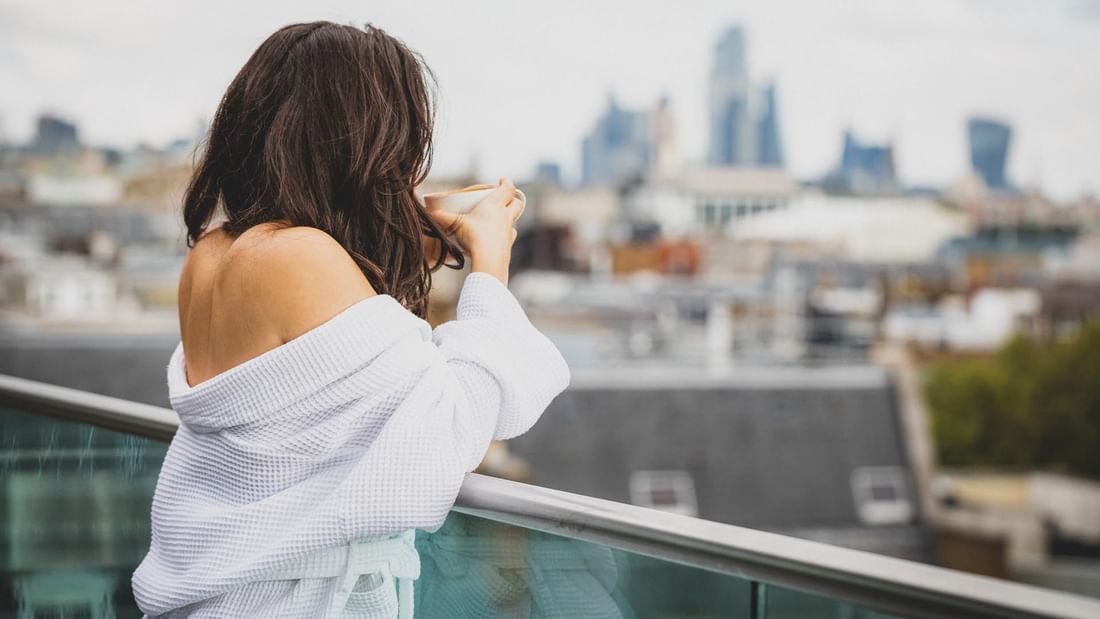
295,479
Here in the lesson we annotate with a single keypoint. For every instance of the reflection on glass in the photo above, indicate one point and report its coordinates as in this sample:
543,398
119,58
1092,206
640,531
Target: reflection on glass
781,603
473,567
74,516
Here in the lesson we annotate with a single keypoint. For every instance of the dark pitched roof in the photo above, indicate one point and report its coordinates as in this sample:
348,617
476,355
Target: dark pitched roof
768,448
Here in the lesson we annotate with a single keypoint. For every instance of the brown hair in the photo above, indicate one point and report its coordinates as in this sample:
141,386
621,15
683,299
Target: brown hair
328,126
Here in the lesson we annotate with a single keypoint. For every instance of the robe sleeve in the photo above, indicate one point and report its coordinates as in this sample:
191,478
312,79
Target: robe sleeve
506,370
488,374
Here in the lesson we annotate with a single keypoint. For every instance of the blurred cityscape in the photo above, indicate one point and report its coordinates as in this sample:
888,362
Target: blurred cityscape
854,359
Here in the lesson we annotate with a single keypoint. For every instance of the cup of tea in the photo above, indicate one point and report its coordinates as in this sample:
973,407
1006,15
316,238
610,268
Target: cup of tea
461,201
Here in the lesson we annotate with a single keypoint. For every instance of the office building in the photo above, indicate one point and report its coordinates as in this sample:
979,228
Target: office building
989,143
618,149
54,136
769,143
744,123
865,168
731,128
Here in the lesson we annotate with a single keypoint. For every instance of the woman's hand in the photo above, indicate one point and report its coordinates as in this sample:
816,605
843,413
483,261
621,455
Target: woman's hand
487,231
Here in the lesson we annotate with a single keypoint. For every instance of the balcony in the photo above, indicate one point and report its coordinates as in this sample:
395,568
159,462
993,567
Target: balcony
78,472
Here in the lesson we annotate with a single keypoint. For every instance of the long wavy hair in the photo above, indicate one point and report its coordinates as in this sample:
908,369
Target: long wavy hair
329,126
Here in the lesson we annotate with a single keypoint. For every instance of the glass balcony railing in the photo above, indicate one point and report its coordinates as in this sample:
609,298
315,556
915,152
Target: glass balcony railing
78,472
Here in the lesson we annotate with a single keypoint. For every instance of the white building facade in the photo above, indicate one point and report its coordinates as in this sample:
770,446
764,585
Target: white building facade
712,201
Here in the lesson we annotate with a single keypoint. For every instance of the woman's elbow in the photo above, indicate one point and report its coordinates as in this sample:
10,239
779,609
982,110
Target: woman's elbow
555,375
562,374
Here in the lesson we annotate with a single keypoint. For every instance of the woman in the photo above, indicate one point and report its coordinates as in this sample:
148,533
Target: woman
321,418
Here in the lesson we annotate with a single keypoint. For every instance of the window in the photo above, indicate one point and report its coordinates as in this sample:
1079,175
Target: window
881,495
710,214
670,491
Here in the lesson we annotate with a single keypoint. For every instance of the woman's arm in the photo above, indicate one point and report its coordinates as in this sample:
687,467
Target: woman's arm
449,392
503,365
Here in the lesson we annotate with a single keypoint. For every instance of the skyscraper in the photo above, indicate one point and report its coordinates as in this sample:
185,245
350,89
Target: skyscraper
989,142
548,172
864,169
769,145
618,148
744,123
54,136
662,137
731,128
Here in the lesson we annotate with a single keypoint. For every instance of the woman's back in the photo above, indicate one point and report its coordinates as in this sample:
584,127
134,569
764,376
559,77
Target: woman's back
240,297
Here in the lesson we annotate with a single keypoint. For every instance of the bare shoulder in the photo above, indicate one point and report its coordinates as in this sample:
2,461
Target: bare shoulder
201,263
301,276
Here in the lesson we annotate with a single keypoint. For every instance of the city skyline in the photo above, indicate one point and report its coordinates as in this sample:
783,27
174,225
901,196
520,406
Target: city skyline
905,74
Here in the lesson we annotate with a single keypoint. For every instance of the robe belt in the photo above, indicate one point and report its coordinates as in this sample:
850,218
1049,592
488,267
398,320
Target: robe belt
392,557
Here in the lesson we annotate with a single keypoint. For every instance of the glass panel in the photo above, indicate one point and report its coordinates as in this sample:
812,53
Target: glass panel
74,524
781,603
74,516
474,567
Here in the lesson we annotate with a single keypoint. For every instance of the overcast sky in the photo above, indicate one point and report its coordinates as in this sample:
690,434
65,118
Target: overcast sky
523,81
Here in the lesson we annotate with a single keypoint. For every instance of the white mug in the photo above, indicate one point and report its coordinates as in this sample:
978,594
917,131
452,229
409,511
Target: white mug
461,201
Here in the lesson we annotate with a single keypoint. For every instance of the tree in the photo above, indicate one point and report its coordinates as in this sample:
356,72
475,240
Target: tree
1030,407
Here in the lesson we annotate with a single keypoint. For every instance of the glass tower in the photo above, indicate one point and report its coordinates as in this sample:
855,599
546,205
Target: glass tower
989,142
731,127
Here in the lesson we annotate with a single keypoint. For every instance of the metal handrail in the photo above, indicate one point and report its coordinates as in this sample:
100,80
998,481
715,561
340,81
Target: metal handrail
893,585
85,407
